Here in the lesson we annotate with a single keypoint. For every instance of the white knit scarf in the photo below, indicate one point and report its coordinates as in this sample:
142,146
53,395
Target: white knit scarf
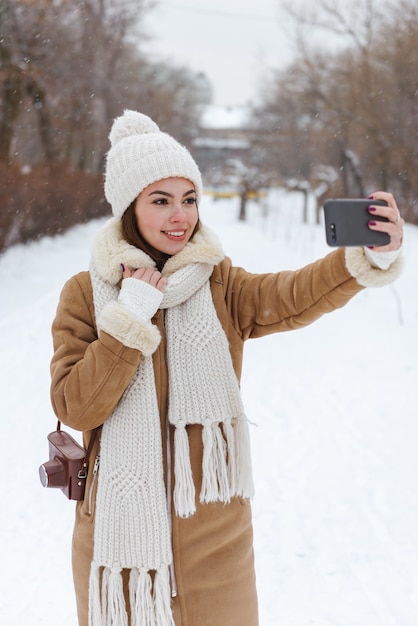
132,529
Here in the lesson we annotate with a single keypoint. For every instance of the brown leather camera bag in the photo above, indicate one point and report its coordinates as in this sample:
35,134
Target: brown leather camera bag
68,464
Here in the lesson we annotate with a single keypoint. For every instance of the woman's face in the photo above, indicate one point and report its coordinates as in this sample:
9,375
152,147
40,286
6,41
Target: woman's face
166,214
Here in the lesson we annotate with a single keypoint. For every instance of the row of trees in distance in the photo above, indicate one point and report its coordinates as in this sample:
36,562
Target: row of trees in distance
346,122
67,69
332,123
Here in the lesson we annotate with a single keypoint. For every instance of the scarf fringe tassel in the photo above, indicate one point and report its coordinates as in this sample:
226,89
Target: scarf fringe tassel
226,465
149,603
163,611
245,484
184,489
215,484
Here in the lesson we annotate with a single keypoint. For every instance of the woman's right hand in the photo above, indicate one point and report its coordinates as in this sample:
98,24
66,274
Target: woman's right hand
148,275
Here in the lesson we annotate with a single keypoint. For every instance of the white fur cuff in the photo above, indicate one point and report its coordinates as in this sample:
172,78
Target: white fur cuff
361,269
125,326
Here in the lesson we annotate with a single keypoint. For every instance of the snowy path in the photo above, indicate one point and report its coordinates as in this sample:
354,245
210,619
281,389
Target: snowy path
334,445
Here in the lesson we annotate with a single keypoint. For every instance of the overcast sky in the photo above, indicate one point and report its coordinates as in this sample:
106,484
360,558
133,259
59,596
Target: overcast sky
234,42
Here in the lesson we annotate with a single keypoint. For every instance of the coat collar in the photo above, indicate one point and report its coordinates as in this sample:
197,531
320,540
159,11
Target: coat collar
109,250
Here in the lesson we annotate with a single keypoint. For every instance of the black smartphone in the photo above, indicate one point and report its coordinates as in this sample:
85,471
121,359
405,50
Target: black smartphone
346,223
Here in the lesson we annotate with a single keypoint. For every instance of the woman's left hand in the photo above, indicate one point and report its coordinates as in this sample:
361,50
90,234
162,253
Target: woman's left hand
394,227
148,275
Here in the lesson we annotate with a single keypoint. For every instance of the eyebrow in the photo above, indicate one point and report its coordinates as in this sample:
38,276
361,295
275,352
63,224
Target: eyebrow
170,195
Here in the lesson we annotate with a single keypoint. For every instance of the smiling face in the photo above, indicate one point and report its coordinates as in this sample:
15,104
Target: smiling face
166,214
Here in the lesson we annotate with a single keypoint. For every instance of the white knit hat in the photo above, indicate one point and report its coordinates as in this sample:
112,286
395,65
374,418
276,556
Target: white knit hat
141,154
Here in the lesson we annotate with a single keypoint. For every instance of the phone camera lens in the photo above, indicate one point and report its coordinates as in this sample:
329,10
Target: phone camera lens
333,233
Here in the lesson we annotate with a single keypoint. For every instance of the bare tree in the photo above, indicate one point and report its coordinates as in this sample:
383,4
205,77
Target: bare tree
66,70
69,68
18,81
353,113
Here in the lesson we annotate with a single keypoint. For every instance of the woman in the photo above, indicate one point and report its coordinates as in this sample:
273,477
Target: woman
148,347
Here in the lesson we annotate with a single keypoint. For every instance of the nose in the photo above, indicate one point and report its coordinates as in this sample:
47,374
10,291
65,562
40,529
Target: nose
178,212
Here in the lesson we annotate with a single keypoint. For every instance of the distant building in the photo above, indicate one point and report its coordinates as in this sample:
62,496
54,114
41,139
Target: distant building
203,88
224,140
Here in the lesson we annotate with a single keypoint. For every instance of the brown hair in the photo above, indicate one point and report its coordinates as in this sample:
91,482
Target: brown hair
133,236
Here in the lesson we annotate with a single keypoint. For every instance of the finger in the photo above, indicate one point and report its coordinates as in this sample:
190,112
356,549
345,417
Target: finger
393,229
155,278
126,272
140,274
391,212
384,195
161,283
148,275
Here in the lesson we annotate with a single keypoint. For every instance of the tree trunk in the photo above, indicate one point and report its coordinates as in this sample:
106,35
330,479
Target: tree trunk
12,94
243,206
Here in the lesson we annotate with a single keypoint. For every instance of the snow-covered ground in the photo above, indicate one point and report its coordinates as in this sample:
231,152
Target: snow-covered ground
334,438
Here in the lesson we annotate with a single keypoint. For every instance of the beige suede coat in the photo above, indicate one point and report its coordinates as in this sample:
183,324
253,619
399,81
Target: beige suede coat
213,579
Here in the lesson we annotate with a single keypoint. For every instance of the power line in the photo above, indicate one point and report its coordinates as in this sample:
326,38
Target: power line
228,15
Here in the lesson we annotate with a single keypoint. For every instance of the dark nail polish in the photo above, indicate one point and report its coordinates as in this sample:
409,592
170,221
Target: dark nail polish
372,223
122,267
370,198
371,208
